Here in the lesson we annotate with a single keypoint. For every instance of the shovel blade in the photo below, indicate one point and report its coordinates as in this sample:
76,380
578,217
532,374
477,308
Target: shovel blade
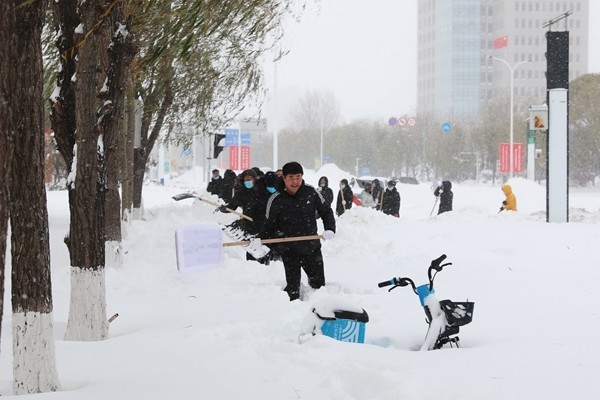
258,252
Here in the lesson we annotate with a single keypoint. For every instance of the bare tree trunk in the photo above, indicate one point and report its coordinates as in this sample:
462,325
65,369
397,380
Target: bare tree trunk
7,82
87,312
127,159
85,117
163,101
139,169
34,365
120,55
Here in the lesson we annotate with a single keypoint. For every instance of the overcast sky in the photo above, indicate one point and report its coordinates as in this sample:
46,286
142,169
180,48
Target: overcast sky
364,53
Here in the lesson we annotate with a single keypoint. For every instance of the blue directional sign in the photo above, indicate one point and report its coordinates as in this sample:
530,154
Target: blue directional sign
231,137
446,127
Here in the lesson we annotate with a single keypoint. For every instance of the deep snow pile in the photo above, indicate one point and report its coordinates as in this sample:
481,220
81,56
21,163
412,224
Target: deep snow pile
230,332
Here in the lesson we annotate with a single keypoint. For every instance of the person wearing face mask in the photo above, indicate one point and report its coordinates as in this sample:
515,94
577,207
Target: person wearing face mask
252,199
214,186
344,198
270,182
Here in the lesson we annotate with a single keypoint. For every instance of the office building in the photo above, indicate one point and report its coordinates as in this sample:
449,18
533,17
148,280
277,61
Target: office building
457,76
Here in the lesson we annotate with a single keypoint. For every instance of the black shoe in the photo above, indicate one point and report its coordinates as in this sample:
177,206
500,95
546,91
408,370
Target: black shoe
294,296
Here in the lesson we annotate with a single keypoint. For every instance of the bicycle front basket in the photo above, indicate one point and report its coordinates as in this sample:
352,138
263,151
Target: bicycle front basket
458,313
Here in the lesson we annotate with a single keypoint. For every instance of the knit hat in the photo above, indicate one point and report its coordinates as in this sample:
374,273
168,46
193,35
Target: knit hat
292,167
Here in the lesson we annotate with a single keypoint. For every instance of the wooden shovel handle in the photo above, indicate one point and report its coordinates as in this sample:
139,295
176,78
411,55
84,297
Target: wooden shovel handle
277,240
228,209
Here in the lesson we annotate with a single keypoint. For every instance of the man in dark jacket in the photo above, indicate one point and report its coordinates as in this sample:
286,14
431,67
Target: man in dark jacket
446,196
291,212
391,200
214,186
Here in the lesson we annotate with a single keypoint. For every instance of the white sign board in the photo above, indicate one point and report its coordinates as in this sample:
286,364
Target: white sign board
199,247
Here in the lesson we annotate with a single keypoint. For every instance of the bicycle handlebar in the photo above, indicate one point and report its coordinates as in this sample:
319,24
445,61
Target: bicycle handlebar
438,260
387,283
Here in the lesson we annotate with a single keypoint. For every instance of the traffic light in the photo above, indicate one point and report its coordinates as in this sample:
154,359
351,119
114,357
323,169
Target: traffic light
557,60
218,146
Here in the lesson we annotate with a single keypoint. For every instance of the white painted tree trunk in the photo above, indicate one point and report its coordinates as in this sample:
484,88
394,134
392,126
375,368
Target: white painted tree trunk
87,312
113,251
34,365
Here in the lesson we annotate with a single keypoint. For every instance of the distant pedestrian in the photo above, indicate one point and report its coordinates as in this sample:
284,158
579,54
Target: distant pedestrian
214,186
377,192
391,200
344,198
444,191
325,190
510,203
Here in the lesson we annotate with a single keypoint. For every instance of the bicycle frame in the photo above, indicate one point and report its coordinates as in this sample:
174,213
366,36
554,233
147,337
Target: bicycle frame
443,317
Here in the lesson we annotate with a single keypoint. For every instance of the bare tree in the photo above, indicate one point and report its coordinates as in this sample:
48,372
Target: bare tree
94,45
34,368
7,90
199,61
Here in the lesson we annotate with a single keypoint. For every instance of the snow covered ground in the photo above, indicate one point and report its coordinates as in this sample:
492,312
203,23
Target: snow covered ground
231,333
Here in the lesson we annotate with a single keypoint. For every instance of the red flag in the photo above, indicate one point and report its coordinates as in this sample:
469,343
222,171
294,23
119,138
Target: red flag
500,42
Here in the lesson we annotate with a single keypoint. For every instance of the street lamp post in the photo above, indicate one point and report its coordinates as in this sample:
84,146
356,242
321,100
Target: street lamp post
511,69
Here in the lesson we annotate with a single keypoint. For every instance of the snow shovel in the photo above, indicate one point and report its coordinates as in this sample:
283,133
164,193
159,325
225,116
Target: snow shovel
262,251
183,196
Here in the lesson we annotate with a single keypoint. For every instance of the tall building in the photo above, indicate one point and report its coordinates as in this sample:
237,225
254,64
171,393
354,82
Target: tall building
468,48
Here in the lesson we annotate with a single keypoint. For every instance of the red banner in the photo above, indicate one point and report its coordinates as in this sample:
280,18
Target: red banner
244,158
233,157
505,157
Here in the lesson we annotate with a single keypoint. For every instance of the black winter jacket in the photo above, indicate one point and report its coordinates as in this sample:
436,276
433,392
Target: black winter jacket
446,196
346,203
253,203
214,186
294,215
391,202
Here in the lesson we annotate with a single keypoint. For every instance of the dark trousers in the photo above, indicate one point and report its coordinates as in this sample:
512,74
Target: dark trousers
312,264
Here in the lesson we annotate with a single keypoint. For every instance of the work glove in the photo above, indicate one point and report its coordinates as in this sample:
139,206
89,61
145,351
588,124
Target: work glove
328,235
223,209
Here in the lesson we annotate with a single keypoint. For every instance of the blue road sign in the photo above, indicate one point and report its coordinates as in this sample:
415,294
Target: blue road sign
231,137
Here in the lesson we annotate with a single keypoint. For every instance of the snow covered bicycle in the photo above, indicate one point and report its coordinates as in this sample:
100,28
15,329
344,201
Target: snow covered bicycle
444,317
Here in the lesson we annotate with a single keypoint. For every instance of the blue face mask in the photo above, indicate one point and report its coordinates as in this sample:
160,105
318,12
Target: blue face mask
271,189
249,184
